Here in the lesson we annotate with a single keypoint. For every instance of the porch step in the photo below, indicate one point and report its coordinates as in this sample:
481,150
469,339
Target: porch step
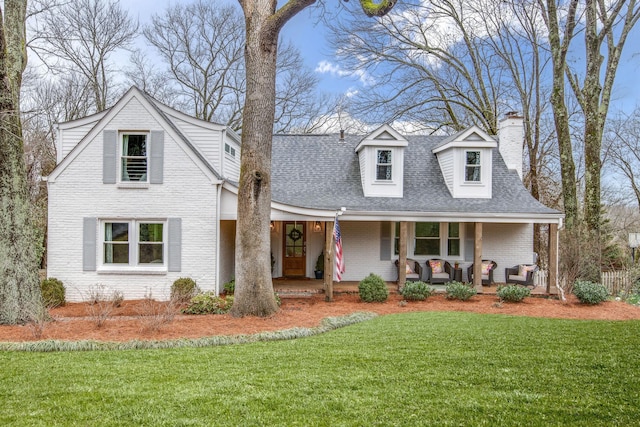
297,293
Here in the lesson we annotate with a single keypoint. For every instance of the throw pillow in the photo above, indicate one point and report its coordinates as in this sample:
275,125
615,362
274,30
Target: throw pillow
523,269
486,268
409,269
436,266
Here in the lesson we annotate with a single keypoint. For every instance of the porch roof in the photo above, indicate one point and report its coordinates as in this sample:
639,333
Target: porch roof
319,172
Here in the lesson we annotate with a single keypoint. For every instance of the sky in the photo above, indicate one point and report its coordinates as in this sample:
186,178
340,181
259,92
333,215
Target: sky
308,33
303,30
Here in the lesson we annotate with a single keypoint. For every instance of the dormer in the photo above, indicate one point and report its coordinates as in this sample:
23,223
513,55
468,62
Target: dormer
381,157
466,163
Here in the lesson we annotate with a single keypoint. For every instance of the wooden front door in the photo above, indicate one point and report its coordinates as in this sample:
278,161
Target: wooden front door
295,249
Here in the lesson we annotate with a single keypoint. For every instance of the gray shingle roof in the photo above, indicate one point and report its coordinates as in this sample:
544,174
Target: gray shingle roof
318,172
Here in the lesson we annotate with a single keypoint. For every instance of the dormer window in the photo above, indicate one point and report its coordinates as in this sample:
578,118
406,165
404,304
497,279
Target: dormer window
383,165
134,158
472,166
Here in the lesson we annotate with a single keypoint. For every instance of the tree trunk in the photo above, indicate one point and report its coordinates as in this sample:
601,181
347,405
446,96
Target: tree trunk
254,288
559,50
19,246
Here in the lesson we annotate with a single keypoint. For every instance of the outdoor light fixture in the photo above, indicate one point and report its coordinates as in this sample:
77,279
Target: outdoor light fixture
272,225
317,227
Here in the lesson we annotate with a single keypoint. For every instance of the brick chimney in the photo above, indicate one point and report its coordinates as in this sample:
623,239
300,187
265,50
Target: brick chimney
511,139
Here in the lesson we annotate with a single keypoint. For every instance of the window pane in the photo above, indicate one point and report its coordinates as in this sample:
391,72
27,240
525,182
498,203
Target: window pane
150,253
473,157
396,243
427,229
116,253
384,156
454,229
383,173
427,247
116,243
151,232
472,173
453,248
135,145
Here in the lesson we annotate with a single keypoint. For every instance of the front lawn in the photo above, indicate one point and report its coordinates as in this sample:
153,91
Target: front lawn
424,368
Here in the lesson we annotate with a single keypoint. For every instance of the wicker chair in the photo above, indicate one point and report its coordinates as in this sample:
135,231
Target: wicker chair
487,279
416,271
521,274
436,277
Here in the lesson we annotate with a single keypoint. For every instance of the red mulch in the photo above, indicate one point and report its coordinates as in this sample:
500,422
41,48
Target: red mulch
72,321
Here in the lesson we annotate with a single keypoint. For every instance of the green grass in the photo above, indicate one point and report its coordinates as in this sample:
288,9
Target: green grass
410,369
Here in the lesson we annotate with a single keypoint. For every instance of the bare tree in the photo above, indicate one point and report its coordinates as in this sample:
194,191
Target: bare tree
607,26
263,22
20,247
623,148
81,36
202,45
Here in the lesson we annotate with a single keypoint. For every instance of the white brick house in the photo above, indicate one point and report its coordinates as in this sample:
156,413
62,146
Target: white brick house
143,194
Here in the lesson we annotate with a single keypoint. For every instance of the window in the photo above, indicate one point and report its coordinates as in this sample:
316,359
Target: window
383,165
427,238
143,246
229,150
453,243
472,166
134,158
431,239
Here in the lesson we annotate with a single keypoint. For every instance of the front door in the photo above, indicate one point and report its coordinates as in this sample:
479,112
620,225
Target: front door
295,249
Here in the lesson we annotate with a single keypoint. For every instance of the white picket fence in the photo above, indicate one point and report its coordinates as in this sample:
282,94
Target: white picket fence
614,281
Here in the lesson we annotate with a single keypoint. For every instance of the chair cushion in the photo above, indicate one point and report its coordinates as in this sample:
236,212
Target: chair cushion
486,268
517,278
485,277
523,269
409,270
413,276
436,266
440,276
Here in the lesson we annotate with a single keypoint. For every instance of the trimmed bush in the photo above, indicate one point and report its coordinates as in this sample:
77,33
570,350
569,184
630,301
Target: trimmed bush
230,287
416,291
590,292
373,289
209,303
459,290
183,290
53,292
513,293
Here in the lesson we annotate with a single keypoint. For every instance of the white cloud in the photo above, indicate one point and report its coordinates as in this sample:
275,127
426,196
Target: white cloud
326,67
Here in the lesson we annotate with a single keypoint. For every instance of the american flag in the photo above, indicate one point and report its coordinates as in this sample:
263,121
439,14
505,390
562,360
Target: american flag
339,260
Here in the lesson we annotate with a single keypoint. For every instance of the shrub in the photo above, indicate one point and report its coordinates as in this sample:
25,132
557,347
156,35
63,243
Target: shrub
53,292
416,291
513,293
100,304
230,287
209,303
183,289
458,290
155,314
590,292
373,289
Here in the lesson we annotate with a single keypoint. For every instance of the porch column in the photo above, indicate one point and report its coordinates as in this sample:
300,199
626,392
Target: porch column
552,280
477,257
328,260
402,255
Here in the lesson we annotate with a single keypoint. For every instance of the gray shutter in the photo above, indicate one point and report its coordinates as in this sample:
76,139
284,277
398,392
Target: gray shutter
175,244
89,248
109,156
385,241
157,157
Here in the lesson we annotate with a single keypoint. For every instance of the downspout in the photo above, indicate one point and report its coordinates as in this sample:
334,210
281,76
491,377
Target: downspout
218,198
